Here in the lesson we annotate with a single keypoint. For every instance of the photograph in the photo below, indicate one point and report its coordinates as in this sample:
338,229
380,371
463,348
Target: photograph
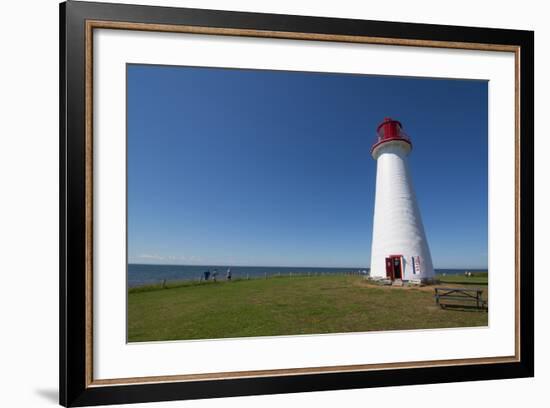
255,203
283,203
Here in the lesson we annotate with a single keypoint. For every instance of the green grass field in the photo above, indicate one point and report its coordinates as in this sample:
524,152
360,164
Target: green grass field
478,278
285,306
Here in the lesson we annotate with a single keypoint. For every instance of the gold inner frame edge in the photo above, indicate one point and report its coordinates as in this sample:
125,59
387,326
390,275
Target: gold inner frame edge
93,24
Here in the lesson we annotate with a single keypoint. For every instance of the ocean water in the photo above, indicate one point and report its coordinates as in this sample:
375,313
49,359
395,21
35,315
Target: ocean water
142,274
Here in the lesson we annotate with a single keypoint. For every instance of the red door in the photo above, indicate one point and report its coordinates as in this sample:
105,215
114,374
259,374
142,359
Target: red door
389,268
394,268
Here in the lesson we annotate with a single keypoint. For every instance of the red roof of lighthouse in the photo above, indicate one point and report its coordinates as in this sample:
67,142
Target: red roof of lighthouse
390,130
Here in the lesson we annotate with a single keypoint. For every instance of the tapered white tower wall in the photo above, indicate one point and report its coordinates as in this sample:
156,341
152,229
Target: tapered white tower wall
398,232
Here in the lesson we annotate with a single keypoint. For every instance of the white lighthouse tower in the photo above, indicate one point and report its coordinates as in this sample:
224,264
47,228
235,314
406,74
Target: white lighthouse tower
399,245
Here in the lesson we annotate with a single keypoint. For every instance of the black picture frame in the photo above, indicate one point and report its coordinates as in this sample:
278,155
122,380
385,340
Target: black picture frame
74,387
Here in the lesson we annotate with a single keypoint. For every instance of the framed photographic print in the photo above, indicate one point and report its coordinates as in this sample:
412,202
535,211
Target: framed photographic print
256,203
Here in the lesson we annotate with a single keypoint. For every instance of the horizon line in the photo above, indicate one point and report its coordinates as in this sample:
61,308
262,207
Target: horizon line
289,266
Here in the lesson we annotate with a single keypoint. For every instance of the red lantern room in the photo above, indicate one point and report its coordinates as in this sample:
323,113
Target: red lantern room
390,130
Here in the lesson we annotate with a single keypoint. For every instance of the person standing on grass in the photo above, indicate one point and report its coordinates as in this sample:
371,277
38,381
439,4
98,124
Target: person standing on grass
228,274
214,274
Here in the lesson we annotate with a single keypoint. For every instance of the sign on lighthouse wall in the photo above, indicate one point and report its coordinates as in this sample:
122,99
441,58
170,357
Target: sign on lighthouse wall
416,265
397,226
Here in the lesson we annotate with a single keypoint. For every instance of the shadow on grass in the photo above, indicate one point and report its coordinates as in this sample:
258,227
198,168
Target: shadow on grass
464,308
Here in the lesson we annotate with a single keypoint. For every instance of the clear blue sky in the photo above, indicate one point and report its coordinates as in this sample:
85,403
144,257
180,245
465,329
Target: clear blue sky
247,167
